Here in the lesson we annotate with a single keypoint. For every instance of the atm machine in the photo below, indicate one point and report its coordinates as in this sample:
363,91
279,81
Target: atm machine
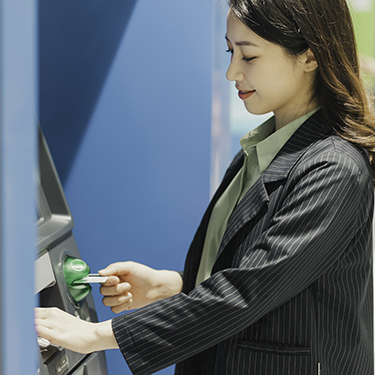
57,256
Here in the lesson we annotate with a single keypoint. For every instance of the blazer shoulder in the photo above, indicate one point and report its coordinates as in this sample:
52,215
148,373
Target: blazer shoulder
333,149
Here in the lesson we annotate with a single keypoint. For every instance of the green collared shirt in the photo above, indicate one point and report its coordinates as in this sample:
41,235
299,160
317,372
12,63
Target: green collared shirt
260,147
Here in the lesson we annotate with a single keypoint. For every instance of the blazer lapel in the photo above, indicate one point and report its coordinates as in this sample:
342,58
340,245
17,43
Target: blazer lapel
194,254
246,209
257,196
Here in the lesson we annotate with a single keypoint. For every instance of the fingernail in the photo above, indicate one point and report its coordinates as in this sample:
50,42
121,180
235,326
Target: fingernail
105,271
124,287
123,299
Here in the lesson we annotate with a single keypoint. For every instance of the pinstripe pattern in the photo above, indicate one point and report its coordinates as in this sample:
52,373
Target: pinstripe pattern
292,283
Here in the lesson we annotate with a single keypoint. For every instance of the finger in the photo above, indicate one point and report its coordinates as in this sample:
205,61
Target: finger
117,301
48,334
39,326
39,312
119,268
40,321
45,312
115,290
121,308
112,280
124,307
44,328
44,332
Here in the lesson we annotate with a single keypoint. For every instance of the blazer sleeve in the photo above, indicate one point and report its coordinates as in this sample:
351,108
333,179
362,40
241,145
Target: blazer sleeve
328,201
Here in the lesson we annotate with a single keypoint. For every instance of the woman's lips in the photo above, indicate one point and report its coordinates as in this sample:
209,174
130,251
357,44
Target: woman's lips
245,94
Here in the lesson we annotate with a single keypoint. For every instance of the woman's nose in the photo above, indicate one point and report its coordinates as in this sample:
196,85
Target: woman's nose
234,73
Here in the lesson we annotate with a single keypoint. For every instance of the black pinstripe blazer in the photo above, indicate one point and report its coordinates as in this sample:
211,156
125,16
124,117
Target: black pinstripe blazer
291,288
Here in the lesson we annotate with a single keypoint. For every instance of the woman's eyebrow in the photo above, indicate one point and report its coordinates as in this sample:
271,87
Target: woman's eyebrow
242,43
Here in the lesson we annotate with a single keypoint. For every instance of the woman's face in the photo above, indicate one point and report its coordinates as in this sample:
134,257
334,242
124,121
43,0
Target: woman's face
266,77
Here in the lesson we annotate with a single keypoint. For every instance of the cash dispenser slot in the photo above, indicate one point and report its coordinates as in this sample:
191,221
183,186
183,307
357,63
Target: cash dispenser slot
44,275
56,246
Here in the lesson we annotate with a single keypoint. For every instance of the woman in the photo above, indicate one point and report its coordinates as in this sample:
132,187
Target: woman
278,279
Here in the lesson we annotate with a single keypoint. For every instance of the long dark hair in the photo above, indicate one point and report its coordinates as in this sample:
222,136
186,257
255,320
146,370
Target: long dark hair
324,26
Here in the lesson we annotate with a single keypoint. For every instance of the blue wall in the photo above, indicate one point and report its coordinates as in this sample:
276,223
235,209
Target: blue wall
125,104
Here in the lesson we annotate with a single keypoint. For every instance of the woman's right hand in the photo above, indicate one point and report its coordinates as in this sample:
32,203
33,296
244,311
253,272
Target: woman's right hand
132,285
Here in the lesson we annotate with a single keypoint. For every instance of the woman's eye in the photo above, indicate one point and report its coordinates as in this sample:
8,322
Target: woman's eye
248,59
244,58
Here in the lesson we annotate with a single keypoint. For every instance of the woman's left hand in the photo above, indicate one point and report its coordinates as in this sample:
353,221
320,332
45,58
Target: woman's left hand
67,331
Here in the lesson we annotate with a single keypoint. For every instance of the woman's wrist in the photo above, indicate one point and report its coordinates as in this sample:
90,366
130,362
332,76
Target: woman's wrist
170,284
105,338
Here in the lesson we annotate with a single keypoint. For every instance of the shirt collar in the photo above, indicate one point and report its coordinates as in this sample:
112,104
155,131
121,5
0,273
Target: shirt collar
269,142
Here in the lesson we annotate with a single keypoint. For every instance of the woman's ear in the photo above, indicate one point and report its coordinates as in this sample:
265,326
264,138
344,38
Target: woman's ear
309,61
